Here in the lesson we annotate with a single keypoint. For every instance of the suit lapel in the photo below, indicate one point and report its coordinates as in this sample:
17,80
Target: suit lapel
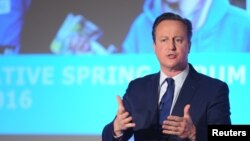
152,96
187,92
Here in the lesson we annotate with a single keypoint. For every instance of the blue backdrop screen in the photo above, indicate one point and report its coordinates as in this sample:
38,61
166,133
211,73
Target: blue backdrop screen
61,69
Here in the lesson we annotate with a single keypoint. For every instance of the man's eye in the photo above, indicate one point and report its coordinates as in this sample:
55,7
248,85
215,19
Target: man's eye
178,40
163,40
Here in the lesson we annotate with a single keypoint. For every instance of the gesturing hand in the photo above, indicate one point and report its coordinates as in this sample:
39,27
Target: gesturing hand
180,126
123,120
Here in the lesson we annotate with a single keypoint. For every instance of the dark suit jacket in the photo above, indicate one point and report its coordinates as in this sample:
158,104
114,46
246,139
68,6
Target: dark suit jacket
209,99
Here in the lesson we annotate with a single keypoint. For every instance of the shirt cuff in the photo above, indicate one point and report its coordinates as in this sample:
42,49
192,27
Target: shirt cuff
117,136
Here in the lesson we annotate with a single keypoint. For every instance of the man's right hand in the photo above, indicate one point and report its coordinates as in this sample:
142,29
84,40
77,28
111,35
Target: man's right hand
123,120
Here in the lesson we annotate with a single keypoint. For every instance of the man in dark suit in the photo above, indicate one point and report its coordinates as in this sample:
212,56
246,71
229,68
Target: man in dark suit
198,100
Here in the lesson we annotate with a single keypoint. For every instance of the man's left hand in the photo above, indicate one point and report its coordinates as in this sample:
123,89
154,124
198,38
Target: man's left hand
180,126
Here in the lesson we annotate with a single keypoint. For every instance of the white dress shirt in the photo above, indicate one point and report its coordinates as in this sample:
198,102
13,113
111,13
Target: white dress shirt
178,80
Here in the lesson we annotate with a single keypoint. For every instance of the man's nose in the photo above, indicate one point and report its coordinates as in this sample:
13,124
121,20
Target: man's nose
172,45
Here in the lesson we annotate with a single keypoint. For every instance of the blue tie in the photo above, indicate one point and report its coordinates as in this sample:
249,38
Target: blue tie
166,101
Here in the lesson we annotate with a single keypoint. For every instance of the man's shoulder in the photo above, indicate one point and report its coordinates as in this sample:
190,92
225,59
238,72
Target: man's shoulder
148,77
211,80
203,78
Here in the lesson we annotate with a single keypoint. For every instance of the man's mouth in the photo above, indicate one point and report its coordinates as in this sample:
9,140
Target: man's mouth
171,56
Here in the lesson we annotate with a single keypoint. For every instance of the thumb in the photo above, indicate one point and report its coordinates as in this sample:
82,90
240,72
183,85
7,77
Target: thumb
120,103
186,110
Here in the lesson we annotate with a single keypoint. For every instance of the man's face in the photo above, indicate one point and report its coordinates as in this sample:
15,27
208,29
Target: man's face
171,45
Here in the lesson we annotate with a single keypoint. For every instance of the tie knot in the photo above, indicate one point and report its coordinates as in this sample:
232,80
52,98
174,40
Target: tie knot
170,81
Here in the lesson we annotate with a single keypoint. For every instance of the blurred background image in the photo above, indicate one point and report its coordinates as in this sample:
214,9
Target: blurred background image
63,62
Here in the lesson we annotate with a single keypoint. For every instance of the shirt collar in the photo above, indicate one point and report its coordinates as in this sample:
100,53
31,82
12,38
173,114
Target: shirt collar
179,78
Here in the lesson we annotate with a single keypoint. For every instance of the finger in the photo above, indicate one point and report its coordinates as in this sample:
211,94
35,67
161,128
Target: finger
186,111
174,118
172,123
171,128
120,104
174,130
127,123
124,115
127,120
179,131
130,125
170,132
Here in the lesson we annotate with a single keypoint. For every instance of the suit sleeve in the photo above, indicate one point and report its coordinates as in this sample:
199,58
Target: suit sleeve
108,131
219,107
